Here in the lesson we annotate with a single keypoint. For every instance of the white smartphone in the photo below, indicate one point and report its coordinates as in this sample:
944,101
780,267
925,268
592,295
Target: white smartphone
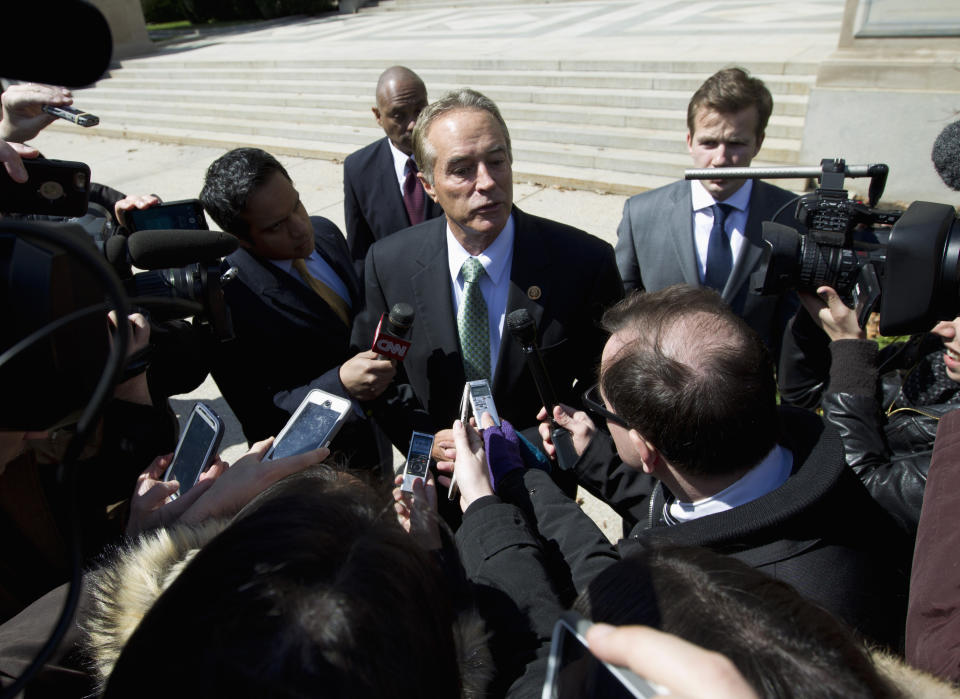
418,460
573,672
477,399
197,446
314,424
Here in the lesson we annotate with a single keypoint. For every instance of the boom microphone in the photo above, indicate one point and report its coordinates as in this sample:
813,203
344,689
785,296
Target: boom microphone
389,341
157,249
946,155
524,330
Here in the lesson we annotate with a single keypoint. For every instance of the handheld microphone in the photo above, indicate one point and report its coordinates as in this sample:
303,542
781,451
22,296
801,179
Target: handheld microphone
389,341
159,249
946,155
524,329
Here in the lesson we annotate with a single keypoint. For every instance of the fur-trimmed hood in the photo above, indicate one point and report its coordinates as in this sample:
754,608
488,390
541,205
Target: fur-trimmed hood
124,589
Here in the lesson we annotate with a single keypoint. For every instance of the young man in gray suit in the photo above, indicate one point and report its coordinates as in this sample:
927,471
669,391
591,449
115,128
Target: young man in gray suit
709,232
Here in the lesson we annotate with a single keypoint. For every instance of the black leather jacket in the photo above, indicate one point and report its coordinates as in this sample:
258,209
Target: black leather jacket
885,403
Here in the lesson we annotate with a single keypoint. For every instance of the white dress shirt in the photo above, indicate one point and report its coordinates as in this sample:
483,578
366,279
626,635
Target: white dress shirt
494,285
399,164
735,224
763,478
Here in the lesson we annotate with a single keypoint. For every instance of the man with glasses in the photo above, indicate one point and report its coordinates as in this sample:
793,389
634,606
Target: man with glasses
704,457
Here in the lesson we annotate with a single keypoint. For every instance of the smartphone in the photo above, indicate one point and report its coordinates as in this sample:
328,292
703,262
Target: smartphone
418,459
186,214
573,672
72,114
53,188
314,424
197,446
477,399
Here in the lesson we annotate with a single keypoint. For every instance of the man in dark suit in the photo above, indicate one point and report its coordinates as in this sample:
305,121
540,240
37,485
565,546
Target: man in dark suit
381,192
708,232
465,272
292,304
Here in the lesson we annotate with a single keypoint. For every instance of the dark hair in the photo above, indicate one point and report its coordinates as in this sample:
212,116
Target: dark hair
315,591
696,381
783,644
728,91
229,182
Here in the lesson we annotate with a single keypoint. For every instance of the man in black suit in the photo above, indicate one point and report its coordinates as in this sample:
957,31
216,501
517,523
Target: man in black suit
292,303
709,232
465,272
381,192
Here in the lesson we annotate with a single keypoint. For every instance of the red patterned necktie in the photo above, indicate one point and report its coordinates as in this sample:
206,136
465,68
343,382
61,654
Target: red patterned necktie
413,194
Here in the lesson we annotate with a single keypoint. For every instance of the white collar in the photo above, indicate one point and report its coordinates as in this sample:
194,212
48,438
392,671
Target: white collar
399,161
702,199
763,478
495,259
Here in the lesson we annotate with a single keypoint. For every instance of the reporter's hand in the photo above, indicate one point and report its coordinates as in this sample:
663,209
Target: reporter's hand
685,669
831,314
578,423
365,376
150,504
249,476
444,446
133,201
417,511
473,474
21,109
134,390
11,154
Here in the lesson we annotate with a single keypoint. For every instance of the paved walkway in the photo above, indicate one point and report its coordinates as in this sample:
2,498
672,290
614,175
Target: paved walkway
711,30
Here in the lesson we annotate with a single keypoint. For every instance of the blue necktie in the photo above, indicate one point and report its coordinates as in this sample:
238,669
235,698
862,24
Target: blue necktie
719,254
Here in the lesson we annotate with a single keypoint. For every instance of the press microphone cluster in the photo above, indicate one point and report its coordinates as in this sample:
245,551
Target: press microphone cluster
389,341
524,330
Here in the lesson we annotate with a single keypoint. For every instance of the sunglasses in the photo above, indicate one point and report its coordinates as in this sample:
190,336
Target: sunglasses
593,401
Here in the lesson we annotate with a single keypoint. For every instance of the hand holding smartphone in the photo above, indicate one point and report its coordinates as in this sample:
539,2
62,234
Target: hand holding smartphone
196,449
314,424
186,214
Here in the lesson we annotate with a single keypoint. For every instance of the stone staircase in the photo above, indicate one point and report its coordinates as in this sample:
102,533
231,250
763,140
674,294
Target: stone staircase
615,126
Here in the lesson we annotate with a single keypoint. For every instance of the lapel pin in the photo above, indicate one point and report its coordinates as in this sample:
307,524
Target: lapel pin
534,292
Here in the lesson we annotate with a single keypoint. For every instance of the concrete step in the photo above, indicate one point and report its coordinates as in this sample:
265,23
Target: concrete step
365,78
789,105
355,111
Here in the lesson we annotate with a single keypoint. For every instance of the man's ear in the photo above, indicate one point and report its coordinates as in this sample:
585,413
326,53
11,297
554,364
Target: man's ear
649,456
759,143
689,142
376,114
427,187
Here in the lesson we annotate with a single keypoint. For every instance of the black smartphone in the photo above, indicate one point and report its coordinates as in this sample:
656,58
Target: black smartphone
197,446
573,672
186,214
53,188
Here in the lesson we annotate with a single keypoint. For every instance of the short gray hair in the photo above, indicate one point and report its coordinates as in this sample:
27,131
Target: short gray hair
464,98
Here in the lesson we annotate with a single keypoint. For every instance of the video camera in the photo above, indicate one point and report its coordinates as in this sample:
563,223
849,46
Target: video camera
54,341
914,275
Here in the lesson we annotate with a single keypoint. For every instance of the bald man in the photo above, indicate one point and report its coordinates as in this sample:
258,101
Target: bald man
381,192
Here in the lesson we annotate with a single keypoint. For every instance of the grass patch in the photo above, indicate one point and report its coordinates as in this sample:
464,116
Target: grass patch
179,24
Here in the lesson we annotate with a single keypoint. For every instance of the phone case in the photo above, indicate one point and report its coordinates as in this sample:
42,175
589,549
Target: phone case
53,188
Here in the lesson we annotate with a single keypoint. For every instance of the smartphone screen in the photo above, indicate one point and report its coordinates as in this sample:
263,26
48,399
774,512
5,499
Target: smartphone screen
574,672
180,215
310,430
192,453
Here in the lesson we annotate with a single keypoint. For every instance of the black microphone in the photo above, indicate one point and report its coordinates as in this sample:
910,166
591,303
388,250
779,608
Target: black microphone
389,341
159,249
946,155
524,329
115,250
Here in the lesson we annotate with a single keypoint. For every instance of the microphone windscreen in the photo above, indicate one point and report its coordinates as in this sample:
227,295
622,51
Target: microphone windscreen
158,249
401,316
64,43
115,250
946,155
522,326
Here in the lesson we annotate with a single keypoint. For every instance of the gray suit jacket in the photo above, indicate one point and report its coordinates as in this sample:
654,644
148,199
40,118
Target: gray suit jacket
655,249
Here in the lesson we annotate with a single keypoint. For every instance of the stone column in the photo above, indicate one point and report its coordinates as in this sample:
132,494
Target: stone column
127,25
